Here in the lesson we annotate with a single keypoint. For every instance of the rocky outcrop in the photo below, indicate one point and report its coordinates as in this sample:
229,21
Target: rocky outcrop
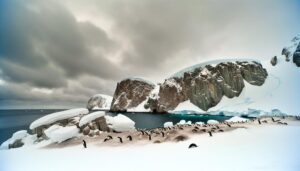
130,93
274,61
99,101
204,86
296,56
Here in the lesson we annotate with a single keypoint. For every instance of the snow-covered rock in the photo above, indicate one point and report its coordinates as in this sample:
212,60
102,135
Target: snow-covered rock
212,122
120,123
57,116
181,122
168,124
99,102
90,117
59,134
19,139
237,119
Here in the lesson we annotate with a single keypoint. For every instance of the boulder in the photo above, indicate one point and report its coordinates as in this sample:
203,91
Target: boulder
130,93
274,60
296,56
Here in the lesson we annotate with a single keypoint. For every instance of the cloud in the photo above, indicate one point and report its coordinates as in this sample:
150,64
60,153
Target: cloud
73,49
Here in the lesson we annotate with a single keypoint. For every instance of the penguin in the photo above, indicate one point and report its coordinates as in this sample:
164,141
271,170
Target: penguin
196,127
259,121
149,137
203,130
129,137
163,134
264,121
106,139
273,119
193,145
210,134
217,127
221,130
110,137
121,141
228,125
84,144
195,130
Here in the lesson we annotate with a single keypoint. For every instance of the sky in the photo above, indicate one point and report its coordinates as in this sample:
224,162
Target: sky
58,53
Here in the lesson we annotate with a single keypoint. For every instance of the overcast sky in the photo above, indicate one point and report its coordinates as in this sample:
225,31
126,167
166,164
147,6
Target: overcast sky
56,54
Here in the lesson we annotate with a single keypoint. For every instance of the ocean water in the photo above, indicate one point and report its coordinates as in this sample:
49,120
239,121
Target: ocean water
14,120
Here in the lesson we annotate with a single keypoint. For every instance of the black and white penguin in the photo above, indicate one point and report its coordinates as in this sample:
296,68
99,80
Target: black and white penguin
193,145
84,144
121,141
129,137
149,137
210,134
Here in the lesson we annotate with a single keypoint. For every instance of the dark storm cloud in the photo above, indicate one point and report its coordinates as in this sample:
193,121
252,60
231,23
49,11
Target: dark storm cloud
41,43
61,52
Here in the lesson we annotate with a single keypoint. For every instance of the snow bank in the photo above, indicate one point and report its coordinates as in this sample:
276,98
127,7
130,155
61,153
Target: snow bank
57,116
59,134
237,119
90,117
22,135
199,123
181,122
212,122
120,123
168,124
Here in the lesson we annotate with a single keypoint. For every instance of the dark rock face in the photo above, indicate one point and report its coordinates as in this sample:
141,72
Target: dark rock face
16,144
274,60
130,93
203,86
296,56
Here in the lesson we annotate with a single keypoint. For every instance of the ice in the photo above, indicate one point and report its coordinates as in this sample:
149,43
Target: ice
59,134
212,122
120,123
57,116
181,122
168,124
237,119
90,117
187,106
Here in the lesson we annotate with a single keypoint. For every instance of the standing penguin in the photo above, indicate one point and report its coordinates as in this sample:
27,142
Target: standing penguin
149,137
84,144
259,121
163,134
121,141
210,134
129,137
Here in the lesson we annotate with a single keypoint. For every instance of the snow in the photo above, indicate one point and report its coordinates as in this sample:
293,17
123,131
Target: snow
120,123
168,124
59,134
57,116
212,63
187,105
181,122
26,138
90,117
199,123
212,122
237,119
264,148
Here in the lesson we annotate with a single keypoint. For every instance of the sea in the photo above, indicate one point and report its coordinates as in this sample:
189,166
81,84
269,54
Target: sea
14,120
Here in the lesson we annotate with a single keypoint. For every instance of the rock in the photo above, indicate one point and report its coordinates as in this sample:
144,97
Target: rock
18,143
130,93
86,130
296,56
99,101
274,60
286,53
204,86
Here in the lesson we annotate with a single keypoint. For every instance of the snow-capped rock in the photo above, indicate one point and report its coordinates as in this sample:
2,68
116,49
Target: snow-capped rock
57,116
212,122
237,119
19,139
168,124
120,123
130,93
99,102
59,134
91,117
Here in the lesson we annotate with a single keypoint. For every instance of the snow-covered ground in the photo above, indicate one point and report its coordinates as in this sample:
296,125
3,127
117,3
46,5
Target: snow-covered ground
261,148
